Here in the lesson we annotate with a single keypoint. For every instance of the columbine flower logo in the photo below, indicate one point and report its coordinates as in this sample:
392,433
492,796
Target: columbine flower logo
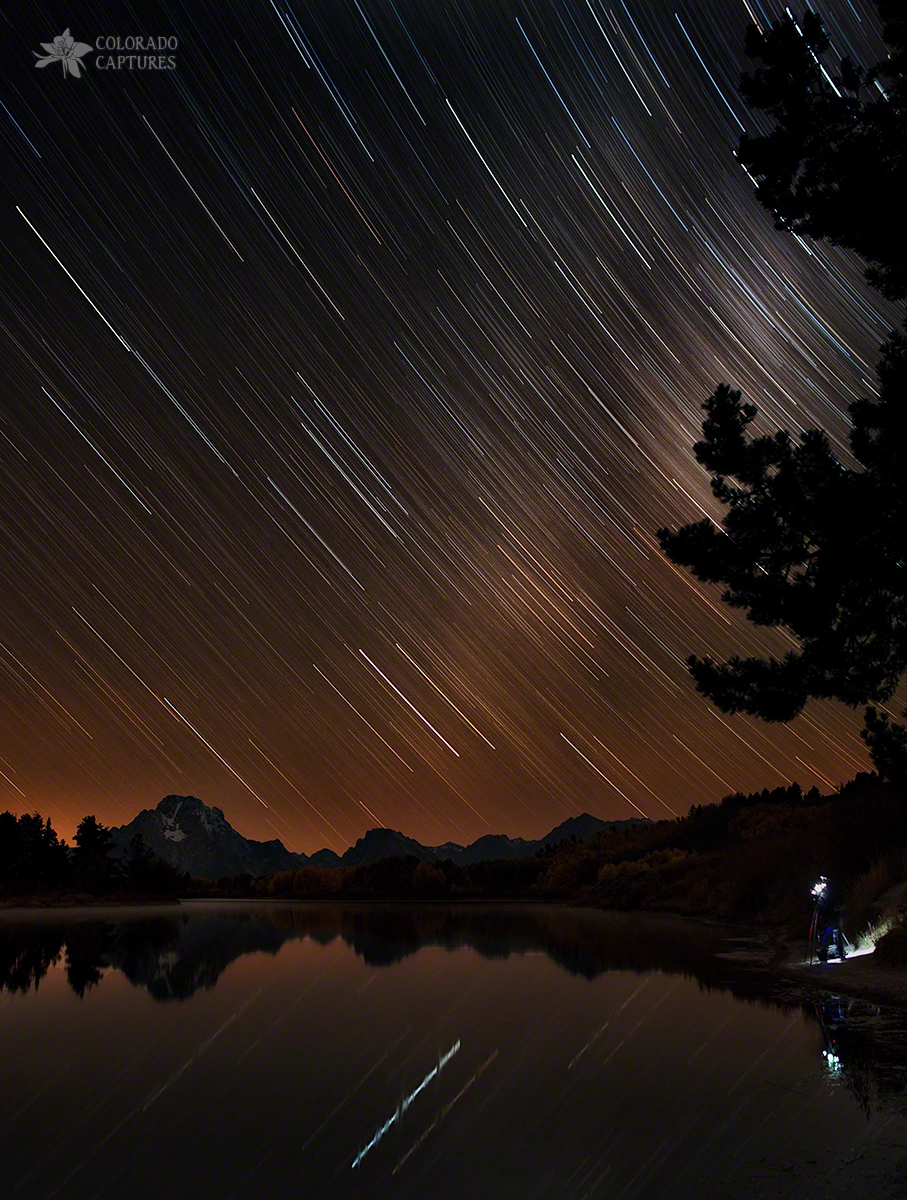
66,50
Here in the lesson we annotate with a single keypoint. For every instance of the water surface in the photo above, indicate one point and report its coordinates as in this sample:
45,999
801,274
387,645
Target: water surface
306,1051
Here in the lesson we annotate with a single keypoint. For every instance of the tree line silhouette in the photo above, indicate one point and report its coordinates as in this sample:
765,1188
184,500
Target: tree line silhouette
34,860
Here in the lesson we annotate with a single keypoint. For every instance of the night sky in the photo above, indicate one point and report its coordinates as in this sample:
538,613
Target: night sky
349,368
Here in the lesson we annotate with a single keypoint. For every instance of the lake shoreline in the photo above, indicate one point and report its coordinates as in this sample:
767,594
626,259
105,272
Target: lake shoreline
57,901
860,977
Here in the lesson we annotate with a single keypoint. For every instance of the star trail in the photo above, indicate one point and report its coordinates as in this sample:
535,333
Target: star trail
350,365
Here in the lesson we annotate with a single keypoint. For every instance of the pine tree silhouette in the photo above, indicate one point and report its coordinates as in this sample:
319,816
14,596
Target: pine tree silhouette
809,543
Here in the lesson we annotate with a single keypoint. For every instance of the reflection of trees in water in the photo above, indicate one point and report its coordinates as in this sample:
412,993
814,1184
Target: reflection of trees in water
864,1048
28,949
175,955
26,955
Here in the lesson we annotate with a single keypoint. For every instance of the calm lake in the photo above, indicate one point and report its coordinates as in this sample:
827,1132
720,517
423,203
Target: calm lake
232,1050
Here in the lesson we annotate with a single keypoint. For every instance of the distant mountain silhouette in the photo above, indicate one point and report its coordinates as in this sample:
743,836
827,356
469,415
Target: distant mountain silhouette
190,836
491,846
385,843
497,845
186,833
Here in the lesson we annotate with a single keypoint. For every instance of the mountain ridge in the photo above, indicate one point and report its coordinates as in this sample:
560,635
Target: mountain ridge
199,840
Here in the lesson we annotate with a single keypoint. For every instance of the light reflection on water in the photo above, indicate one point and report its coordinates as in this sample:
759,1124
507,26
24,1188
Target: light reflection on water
302,1051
